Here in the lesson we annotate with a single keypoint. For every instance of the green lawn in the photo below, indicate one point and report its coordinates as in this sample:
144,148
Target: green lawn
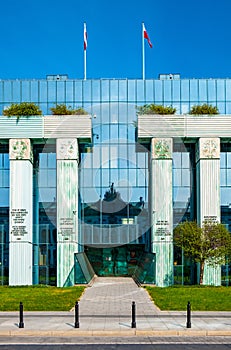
202,298
39,298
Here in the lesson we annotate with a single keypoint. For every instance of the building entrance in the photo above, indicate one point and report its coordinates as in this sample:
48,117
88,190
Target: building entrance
115,261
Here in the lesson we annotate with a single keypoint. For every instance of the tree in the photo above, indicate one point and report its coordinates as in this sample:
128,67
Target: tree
209,243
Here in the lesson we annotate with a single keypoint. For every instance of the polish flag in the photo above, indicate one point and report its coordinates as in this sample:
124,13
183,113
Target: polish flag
146,36
85,37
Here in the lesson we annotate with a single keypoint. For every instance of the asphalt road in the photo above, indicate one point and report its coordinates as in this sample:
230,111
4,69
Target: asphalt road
124,343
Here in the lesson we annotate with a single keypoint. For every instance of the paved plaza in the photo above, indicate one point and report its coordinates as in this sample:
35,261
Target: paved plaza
105,309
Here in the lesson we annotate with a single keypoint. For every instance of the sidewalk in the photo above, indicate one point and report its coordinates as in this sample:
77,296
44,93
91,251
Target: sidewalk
105,310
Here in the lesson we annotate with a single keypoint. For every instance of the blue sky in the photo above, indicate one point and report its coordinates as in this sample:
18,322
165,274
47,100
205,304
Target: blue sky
41,37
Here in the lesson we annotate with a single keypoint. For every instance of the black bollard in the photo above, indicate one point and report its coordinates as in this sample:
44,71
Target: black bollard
21,323
76,314
188,324
133,314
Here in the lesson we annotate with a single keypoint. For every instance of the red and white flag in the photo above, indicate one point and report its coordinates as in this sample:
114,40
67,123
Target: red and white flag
146,36
85,37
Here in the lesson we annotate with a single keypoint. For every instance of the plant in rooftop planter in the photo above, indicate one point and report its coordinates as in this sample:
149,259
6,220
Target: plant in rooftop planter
62,109
22,109
203,109
155,109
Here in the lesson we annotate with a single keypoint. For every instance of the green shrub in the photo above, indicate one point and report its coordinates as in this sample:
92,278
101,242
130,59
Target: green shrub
22,109
62,109
204,109
155,109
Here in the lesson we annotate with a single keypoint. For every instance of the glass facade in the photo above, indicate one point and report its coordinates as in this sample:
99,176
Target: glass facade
184,204
45,241
114,171
4,214
225,173
91,94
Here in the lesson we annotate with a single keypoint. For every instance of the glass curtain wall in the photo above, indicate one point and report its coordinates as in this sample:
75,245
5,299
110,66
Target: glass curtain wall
225,173
180,93
114,188
4,215
184,196
45,241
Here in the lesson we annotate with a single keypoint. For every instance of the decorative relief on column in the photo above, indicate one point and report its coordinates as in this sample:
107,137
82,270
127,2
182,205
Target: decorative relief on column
67,149
21,149
161,148
208,148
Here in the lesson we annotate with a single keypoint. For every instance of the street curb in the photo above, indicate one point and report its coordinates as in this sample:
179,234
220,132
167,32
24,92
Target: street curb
111,333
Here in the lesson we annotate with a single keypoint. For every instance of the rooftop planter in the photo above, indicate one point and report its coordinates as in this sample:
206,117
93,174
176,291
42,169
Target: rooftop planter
25,109
204,109
183,126
25,120
155,109
62,109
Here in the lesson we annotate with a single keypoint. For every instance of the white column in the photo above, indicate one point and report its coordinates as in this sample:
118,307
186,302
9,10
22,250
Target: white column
208,192
67,209
162,209
21,212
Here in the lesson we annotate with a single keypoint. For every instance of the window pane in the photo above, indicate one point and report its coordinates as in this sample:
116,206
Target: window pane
176,90
223,177
176,160
211,90
185,177
42,178
6,178
132,90
51,160
194,90
203,91
114,90
123,90
225,196
167,90
184,90
158,91
229,178
4,197
140,90
185,160
141,180
220,89
223,160
228,160
51,178
43,160
149,91
176,177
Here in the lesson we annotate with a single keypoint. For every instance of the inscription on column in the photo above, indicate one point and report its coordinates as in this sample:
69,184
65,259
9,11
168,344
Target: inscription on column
66,228
19,218
162,228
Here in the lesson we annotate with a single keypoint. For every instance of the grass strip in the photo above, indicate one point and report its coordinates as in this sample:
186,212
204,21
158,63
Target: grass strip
39,298
202,298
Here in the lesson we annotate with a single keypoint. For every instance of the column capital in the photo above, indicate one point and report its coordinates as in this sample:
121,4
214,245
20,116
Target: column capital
21,149
67,149
208,148
161,148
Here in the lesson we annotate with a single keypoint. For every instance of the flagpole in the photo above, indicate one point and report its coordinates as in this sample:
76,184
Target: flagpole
85,64
143,53
85,52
